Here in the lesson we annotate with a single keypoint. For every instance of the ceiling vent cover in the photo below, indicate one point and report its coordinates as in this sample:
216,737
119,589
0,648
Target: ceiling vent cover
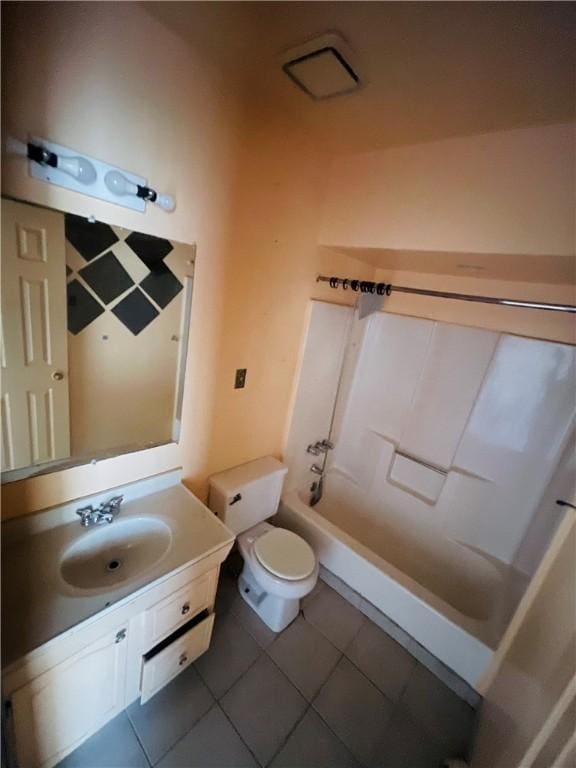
322,67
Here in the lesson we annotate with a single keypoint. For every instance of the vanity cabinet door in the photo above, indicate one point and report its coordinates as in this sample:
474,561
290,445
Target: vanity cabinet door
56,711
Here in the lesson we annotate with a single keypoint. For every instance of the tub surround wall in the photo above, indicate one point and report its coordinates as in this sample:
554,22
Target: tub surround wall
317,384
489,413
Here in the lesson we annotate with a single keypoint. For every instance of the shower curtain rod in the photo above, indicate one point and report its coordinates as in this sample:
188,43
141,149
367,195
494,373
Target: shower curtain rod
367,286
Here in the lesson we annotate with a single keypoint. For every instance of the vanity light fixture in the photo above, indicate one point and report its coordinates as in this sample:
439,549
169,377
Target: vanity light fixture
60,165
118,184
78,167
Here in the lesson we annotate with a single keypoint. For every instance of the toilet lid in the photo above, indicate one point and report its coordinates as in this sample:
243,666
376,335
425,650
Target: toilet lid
285,554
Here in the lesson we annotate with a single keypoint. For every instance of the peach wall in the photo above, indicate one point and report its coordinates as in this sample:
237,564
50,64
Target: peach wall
131,92
504,200
109,80
503,192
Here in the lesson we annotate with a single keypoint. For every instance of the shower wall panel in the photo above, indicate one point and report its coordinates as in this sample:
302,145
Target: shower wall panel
451,432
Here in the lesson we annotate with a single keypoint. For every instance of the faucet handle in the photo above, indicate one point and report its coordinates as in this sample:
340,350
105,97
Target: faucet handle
84,513
326,444
114,503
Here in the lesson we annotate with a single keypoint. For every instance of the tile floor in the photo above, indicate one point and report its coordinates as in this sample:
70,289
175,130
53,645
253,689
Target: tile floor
331,691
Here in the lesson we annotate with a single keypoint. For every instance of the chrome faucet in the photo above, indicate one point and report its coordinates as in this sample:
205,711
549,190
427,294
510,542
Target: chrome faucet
316,469
320,446
105,513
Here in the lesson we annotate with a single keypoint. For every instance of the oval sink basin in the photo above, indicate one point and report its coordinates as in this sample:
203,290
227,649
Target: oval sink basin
115,553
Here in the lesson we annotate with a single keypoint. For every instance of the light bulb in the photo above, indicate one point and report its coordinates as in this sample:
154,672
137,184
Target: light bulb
166,202
118,184
77,167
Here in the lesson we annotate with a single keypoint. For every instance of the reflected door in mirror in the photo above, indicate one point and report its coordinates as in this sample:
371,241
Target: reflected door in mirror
35,403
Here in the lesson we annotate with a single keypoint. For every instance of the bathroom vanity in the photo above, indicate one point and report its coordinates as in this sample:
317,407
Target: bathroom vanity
97,617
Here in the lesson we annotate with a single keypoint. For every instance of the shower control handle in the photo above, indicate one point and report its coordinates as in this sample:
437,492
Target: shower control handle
313,449
326,445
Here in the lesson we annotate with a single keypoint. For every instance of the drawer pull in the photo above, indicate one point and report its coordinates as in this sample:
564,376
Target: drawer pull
182,660
120,636
185,609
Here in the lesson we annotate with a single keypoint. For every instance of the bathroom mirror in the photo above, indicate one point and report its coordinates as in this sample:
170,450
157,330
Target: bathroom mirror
95,322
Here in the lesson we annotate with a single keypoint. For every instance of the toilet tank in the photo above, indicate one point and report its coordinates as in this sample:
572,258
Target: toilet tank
248,494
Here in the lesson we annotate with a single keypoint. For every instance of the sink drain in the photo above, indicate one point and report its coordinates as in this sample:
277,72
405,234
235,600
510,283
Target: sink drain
113,565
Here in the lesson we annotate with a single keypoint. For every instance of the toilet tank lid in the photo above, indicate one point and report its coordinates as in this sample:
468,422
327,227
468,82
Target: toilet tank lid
230,480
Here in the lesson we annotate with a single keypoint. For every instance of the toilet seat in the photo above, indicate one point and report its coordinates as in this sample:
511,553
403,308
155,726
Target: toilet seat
285,554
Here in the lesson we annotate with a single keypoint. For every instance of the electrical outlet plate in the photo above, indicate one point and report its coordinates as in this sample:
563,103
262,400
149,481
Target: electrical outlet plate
98,190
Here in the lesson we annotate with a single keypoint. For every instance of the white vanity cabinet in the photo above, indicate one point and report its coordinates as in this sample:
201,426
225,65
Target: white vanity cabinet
57,710
59,695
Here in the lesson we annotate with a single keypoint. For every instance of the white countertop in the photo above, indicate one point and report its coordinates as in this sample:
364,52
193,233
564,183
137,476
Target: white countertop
37,604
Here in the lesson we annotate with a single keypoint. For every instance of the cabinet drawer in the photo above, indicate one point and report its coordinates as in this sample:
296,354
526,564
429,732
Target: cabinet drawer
179,607
166,664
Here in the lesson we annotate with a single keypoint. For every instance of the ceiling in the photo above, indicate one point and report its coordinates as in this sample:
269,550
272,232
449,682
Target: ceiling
433,69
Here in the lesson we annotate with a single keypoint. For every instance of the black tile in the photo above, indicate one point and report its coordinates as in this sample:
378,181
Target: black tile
89,239
162,287
152,250
107,277
135,311
82,307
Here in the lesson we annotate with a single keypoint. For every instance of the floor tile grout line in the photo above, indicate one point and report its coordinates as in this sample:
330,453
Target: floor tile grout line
163,755
221,696
237,732
285,741
333,732
178,740
405,647
308,701
138,739
396,704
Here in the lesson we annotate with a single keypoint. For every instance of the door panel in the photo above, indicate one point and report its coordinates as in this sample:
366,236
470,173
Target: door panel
34,357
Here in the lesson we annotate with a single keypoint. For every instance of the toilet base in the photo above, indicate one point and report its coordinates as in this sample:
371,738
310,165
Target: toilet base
276,612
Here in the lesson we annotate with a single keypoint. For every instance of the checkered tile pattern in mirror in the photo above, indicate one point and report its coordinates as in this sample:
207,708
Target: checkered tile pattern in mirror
113,269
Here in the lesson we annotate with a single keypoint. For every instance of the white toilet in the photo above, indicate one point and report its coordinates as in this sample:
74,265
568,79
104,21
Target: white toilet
279,566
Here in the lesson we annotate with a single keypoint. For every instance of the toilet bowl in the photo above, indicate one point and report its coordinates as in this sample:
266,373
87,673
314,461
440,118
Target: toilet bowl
279,569
279,566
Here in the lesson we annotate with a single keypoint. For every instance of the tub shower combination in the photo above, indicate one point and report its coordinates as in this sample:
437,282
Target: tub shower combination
442,449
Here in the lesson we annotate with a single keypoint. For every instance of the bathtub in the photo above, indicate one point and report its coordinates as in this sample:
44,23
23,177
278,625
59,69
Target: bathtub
460,624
